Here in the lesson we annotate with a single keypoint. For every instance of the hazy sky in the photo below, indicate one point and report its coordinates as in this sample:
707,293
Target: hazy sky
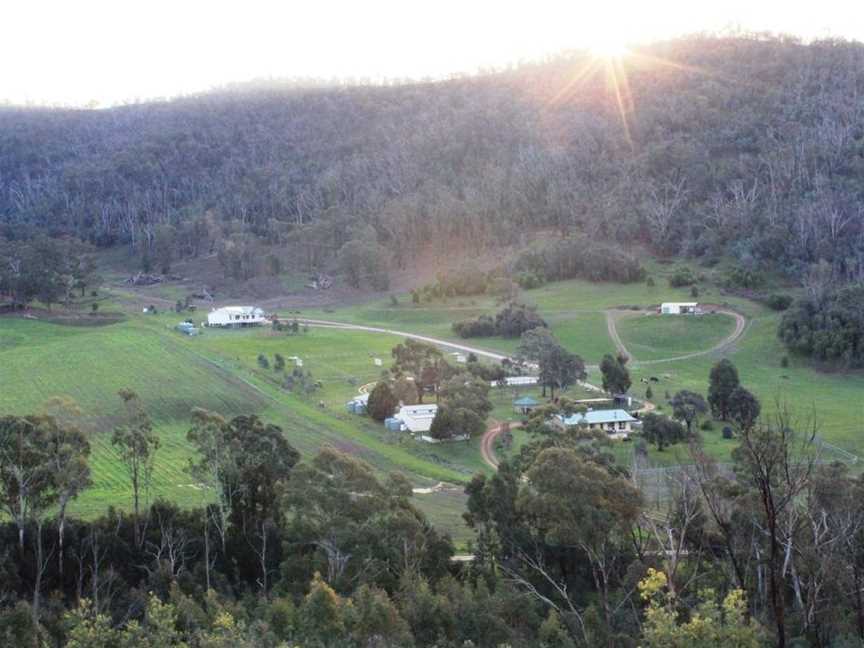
108,51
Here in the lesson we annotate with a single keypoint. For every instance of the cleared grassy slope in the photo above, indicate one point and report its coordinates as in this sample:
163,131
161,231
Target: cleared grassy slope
217,371
654,337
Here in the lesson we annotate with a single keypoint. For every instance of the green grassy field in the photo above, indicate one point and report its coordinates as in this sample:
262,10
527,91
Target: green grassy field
219,371
653,337
575,312
835,399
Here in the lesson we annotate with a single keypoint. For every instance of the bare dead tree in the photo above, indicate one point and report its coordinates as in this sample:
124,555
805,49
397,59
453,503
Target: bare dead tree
172,551
42,560
663,206
671,532
261,535
534,564
776,460
719,495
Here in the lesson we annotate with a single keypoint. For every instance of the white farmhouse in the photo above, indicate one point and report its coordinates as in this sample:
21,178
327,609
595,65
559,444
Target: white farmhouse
416,419
617,423
678,308
236,316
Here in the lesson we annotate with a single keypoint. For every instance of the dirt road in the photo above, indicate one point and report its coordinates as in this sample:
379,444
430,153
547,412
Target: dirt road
612,318
423,338
487,443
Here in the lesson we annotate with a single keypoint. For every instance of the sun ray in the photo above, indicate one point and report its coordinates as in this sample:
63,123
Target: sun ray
616,77
586,71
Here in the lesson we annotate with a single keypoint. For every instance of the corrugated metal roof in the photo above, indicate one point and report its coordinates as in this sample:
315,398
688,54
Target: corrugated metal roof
525,401
417,418
597,417
238,310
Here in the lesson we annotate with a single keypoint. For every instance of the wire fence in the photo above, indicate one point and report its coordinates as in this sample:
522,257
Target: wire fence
659,484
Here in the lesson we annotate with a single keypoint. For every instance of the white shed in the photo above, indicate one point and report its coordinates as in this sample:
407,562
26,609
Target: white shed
678,308
236,316
416,419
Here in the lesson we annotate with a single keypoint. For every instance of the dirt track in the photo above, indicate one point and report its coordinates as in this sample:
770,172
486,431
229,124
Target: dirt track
487,443
612,318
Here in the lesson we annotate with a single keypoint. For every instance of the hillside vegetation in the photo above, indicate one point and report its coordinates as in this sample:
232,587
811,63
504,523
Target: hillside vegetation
740,146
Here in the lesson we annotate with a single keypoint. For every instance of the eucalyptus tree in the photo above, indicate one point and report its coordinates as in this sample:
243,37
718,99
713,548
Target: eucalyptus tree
137,443
28,483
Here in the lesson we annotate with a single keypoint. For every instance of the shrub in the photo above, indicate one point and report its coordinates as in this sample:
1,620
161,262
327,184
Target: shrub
742,278
650,282
707,425
682,276
727,432
694,292
94,307
779,302
263,362
512,321
529,280
488,372
483,326
662,431
784,361
515,319
382,401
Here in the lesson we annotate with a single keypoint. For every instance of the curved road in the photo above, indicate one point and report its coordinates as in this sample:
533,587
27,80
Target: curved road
612,317
423,338
487,443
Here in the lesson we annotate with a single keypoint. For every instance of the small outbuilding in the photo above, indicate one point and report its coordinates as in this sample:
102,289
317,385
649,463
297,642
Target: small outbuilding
358,404
525,405
679,308
516,381
187,328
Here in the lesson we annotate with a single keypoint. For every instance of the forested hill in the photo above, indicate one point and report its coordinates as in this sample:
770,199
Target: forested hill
751,147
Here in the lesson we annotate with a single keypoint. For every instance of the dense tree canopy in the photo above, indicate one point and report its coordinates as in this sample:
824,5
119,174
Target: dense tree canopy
511,321
382,402
701,167
828,327
662,430
616,376
558,368
722,381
